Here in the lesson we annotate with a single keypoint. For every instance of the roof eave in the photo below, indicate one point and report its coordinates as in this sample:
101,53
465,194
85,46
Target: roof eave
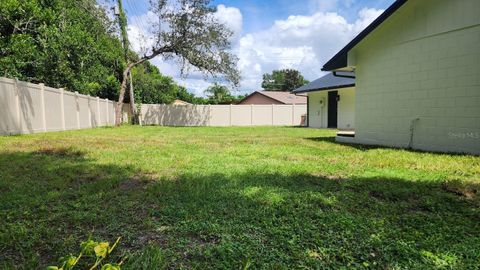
340,60
324,88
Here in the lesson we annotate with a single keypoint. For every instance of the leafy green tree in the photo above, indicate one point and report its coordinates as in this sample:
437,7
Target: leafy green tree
73,44
220,94
152,87
60,43
189,32
283,80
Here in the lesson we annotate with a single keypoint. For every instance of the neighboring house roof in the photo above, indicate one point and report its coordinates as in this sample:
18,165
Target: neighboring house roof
281,96
327,82
180,102
340,60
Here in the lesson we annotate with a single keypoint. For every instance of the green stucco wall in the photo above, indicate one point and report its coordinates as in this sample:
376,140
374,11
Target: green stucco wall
422,63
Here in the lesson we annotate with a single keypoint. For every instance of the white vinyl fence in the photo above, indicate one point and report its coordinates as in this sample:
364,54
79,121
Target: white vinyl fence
30,108
222,115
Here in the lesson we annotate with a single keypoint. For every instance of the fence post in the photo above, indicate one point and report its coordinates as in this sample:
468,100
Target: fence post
107,117
62,107
140,115
77,101
89,112
160,115
98,112
272,114
42,105
230,114
209,115
251,114
17,104
293,114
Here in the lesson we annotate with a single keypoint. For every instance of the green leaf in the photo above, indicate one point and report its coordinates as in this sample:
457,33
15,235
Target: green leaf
69,262
88,246
111,267
101,250
52,268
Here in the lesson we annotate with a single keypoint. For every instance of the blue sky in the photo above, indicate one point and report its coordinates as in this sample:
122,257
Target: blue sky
260,14
271,34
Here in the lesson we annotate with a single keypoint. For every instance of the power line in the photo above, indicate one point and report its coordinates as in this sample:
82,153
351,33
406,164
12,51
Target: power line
133,19
122,20
139,22
138,19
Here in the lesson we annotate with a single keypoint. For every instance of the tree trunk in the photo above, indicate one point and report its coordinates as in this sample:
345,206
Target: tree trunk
121,96
123,86
133,108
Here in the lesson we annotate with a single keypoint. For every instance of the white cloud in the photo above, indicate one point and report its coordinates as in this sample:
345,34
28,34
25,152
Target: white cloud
232,18
196,86
365,17
139,32
300,42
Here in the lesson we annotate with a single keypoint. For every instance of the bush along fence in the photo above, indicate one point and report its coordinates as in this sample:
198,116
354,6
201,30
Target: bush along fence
31,108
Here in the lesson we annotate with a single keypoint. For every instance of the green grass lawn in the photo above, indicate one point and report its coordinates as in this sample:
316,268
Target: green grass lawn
235,198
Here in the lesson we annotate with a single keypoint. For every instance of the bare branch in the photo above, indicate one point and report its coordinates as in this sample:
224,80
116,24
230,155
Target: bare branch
189,32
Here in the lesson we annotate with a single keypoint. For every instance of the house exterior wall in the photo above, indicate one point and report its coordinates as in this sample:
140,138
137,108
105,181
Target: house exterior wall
257,98
318,116
420,69
346,109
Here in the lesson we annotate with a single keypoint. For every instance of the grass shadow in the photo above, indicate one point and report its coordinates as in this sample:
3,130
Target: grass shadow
296,219
367,147
53,199
361,147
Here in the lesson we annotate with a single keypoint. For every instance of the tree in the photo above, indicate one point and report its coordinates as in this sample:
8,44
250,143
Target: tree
283,80
68,44
74,45
154,88
188,31
218,94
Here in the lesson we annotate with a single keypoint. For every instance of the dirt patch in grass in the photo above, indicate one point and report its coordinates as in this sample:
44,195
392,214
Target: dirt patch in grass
88,178
63,152
203,240
413,202
153,237
468,190
377,195
195,247
338,177
393,197
132,184
138,182
4,189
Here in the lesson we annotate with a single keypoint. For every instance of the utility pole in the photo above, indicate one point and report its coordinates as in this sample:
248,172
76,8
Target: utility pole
122,21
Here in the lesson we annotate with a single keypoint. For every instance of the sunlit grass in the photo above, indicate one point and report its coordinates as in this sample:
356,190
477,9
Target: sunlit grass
225,198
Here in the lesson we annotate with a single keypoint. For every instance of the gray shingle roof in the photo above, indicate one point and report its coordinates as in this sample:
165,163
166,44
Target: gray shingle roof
327,82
